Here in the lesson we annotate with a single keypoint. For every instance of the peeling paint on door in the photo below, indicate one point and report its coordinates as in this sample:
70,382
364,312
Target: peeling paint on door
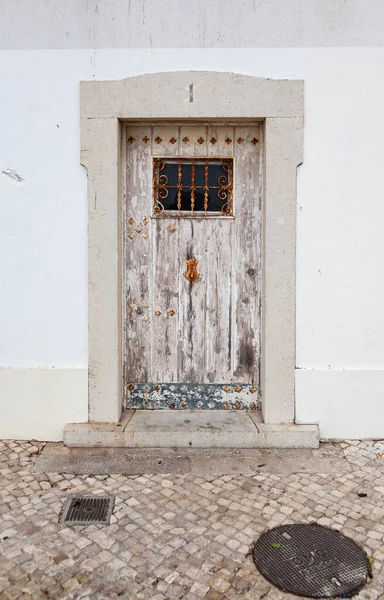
191,279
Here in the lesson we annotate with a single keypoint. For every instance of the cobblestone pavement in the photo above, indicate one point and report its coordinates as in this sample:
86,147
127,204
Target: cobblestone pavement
175,536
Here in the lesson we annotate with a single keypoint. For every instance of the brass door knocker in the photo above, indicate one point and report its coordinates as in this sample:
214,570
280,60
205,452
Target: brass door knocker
191,273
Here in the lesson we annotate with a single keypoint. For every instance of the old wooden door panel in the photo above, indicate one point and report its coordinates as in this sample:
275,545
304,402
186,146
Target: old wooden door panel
183,350
137,255
247,256
217,271
165,313
192,302
191,344
193,141
220,140
165,141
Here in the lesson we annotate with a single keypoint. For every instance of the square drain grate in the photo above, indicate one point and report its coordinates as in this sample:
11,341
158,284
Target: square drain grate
80,510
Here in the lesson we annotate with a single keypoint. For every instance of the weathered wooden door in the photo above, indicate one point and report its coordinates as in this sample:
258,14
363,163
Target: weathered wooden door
192,207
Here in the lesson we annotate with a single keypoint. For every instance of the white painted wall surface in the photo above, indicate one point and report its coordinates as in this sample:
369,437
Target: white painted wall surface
43,227
189,23
37,402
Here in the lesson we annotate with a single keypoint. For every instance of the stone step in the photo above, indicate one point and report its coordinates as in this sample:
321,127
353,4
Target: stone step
191,429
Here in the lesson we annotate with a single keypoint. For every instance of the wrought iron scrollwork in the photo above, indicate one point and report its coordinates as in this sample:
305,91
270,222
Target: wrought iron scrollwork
198,185
160,181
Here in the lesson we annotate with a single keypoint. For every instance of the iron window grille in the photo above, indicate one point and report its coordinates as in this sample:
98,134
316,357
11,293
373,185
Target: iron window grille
192,187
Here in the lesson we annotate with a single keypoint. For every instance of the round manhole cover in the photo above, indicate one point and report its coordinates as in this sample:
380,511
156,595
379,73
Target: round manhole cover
311,560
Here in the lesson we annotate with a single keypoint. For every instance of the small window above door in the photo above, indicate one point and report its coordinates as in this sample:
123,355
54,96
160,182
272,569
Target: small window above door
193,187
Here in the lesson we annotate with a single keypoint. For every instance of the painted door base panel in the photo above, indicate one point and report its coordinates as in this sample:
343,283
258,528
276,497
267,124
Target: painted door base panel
158,396
191,428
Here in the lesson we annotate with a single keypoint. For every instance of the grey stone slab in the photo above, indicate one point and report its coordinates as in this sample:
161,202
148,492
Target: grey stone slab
216,461
192,428
164,429
57,458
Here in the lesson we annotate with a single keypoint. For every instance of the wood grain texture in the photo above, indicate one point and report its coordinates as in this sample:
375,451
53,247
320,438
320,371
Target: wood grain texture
192,147
166,275
161,140
224,144
219,273
192,302
137,256
247,250
207,331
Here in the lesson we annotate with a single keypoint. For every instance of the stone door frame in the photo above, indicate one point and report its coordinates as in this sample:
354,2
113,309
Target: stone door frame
194,96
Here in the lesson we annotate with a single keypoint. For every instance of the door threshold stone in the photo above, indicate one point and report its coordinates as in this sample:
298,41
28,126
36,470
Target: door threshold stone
191,429
57,458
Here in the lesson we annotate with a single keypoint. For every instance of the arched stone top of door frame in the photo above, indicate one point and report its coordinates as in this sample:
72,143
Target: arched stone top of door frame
194,95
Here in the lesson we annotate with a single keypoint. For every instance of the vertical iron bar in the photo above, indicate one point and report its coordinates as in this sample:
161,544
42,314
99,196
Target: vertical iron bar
206,187
230,184
179,186
193,185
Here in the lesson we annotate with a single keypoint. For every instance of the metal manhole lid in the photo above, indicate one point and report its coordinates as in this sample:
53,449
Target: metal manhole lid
311,560
83,510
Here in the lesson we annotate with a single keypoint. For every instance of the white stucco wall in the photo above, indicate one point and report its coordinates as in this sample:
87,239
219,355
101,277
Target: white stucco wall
190,23
340,245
